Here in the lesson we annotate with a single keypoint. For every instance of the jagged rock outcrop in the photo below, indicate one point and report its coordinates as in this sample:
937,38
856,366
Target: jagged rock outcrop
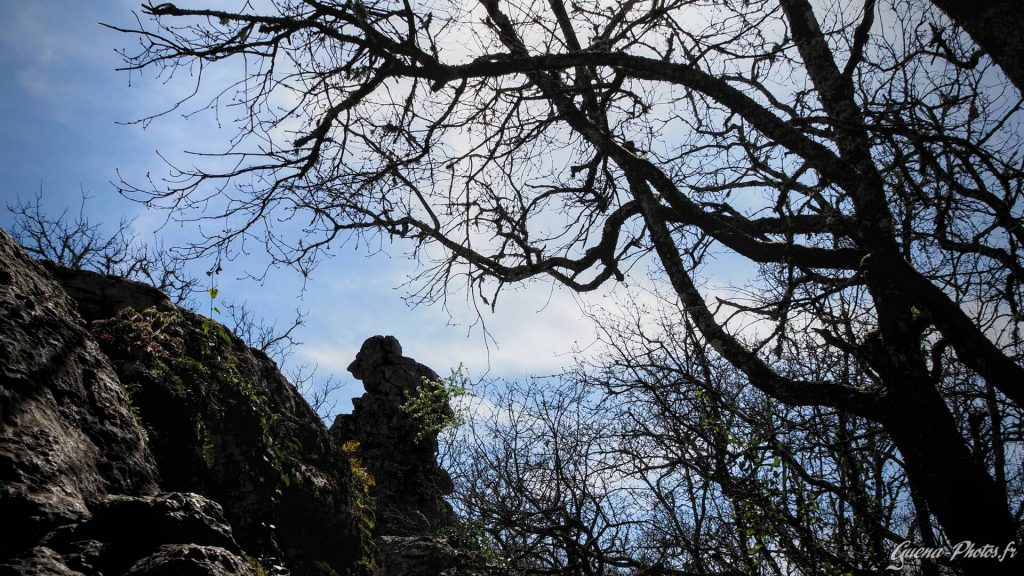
170,533
190,560
78,483
107,421
413,525
97,296
400,456
434,556
139,438
67,433
223,422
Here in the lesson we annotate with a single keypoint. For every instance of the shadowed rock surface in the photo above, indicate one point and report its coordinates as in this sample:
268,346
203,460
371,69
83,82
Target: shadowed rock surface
427,556
411,517
98,415
67,433
153,532
190,560
97,296
223,422
409,485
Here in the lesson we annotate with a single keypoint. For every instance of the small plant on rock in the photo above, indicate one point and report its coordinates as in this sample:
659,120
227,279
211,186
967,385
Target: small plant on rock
429,405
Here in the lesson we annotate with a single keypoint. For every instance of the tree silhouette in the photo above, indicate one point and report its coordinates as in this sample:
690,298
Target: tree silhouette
864,162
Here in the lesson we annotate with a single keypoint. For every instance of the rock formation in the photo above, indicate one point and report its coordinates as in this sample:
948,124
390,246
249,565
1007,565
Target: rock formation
168,533
415,532
68,434
223,422
396,451
145,439
140,438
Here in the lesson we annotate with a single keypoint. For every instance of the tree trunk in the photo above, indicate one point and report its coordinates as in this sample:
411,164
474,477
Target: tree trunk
995,25
961,494
940,466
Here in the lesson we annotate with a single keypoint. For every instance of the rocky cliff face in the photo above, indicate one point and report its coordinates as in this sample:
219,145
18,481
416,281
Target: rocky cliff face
222,421
140,438
68,437
136,437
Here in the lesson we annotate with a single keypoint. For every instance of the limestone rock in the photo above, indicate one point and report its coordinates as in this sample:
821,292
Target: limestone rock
133,524
223,422
39,561
172,533
99,414
99,296
429,556
190,560
143,439
67,434
409,484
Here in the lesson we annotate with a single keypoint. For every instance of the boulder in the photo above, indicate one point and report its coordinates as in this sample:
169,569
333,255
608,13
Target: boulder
190,560
98,296
171,533
424,556
129,527
38,561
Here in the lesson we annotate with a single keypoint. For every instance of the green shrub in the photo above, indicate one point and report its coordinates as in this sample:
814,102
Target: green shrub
429,405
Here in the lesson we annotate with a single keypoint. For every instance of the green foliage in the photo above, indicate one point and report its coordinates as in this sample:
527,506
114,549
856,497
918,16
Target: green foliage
429,405
363,502
257,567
206,446
471,538
363,483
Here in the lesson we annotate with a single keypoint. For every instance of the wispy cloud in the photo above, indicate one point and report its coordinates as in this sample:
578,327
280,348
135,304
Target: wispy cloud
62,111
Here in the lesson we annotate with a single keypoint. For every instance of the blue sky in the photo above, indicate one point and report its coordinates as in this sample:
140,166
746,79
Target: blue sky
62,102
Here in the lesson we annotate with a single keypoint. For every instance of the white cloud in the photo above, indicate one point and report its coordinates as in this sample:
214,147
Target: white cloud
533,329
65,61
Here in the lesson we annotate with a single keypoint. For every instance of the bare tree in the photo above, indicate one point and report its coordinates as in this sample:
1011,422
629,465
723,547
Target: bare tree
274,341
871,180
535,469
78,243
658,459
279,343
319,391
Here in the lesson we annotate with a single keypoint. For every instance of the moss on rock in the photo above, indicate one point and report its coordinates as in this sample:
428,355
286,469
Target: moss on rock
223,422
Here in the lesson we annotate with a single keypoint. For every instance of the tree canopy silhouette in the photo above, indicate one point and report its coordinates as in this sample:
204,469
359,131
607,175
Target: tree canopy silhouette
862,159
